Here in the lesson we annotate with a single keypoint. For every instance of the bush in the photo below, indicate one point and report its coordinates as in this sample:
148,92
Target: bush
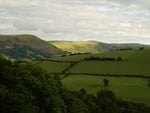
106,82
148,83
119,58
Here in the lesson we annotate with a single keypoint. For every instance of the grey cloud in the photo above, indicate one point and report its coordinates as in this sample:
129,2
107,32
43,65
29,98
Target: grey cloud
106,20
26,24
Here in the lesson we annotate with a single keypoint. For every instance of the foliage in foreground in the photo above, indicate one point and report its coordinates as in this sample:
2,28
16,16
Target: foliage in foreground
26,88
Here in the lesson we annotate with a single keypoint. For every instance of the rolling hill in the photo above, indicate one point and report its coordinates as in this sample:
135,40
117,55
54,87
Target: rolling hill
92,46
27,46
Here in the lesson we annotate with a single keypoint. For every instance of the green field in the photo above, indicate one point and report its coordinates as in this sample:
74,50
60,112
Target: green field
111,67
134,63
53,67
130,89
115,54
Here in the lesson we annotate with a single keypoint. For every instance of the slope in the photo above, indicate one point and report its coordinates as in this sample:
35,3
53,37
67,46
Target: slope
78,47
30,45
92,46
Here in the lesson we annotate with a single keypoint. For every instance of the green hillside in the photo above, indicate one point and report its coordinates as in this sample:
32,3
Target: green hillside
123,54
78,47
27,46
91,46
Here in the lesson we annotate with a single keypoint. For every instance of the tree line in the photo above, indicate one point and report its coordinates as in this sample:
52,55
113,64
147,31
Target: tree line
103,58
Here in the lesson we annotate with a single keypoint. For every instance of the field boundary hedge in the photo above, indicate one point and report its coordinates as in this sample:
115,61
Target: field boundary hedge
106,75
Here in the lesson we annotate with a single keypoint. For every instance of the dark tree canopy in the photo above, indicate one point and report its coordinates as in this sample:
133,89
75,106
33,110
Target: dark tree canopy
25,88
107,99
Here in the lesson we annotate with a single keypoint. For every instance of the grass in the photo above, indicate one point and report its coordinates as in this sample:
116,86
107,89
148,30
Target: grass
78,46
113,67
115,54
129,89
28,40
135,62
53,67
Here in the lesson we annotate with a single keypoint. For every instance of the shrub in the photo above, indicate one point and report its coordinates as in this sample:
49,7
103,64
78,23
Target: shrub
106,82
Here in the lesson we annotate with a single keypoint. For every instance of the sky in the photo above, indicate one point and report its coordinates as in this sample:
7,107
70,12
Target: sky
111,21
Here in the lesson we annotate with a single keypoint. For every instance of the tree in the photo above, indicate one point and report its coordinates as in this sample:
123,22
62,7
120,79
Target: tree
83,91
106,82
141,48
148,83
26,88
106,102
119,58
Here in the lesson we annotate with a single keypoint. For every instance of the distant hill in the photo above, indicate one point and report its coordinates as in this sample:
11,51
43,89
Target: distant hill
92,46
31,47
78,46
27,46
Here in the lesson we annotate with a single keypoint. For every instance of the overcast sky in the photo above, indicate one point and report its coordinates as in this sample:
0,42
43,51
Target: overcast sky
103,20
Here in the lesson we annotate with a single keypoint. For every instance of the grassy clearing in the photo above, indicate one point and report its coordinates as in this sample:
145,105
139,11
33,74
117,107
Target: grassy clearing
53,67
130,89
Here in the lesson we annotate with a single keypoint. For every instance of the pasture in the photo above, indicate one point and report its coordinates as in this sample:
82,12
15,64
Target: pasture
127,88
53,67
88,74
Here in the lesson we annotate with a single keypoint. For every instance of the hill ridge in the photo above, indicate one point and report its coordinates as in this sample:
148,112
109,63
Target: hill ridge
28,44
93,46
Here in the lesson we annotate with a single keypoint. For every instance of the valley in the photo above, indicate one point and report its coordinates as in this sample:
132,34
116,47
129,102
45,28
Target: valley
126,66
